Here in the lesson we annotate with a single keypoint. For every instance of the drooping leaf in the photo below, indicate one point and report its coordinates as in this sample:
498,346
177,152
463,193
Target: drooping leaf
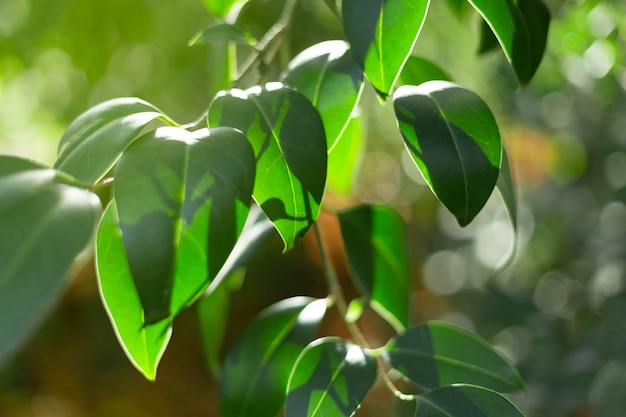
464,401
223,33
256,370
182,200
454,141
418,70
375,243
506,189
330,78
488,40
344,159
94,142
288,138
437,354
521,27
382,34
44,225
219,8
330,379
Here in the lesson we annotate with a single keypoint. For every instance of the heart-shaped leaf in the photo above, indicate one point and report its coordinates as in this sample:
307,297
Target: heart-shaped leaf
464,401
330,379
374,238
257,368
437,354
454,141
288,138
44,225
382,34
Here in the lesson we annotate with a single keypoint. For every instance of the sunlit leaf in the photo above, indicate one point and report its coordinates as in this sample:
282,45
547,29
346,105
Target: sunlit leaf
382,34
330,379
464,401
356,308
344,159
288,138
94,142
256,370
223,33
454,141
418,70
182,200
44,225
437,354
330,78
219,8
375,243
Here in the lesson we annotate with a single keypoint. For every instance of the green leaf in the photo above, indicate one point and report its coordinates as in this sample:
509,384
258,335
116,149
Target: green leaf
182,198
437,354
330,78
506,189
382,34
219,8
94,142
344,159
454,141
488,40
521,27
419,70
44,225
330,379
256,370
288,138
356,308
375,243
223,33
457,6
464,401
143,344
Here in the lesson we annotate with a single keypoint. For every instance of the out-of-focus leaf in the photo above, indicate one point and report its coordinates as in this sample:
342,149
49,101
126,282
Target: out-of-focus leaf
344,159
356,308
256,370
330,78
454,141
94,142
457,6
288,138
219,8
506,189
437,354
382,34
375,243
418,70
223,33
464,401
44,225
330,379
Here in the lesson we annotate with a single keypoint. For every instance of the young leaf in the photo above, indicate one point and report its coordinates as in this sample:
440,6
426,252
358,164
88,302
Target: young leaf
223,32
464,401
182,200
330,78
44,225
454,141
144,344
288,138
418,70
256,370
382,34
376,248
437,354
330,379
344,159
93,143
521,27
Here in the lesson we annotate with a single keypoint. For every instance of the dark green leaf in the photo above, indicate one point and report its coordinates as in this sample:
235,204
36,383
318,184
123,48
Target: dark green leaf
419,70
454,141
464,401
223,33
488,40
330,78
182,200
382,34
437,354
375,244
288,138
94,142
44,225
330,379
219,8
256,370
344,159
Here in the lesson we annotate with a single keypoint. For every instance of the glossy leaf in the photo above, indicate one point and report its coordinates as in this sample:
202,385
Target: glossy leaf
223,33
521,27
419,70
144,344
288,138
488,40
344,159
330,379
44,225
454,141
256,370
382,34
219,8
464,401
330,78
437,354
182,200
375,243
94,142
506,189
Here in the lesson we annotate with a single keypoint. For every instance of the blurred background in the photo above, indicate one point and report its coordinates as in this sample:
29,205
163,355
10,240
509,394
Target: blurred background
558,312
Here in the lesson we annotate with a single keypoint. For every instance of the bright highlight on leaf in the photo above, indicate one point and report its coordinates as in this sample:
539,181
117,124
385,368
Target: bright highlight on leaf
464,401
223,32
